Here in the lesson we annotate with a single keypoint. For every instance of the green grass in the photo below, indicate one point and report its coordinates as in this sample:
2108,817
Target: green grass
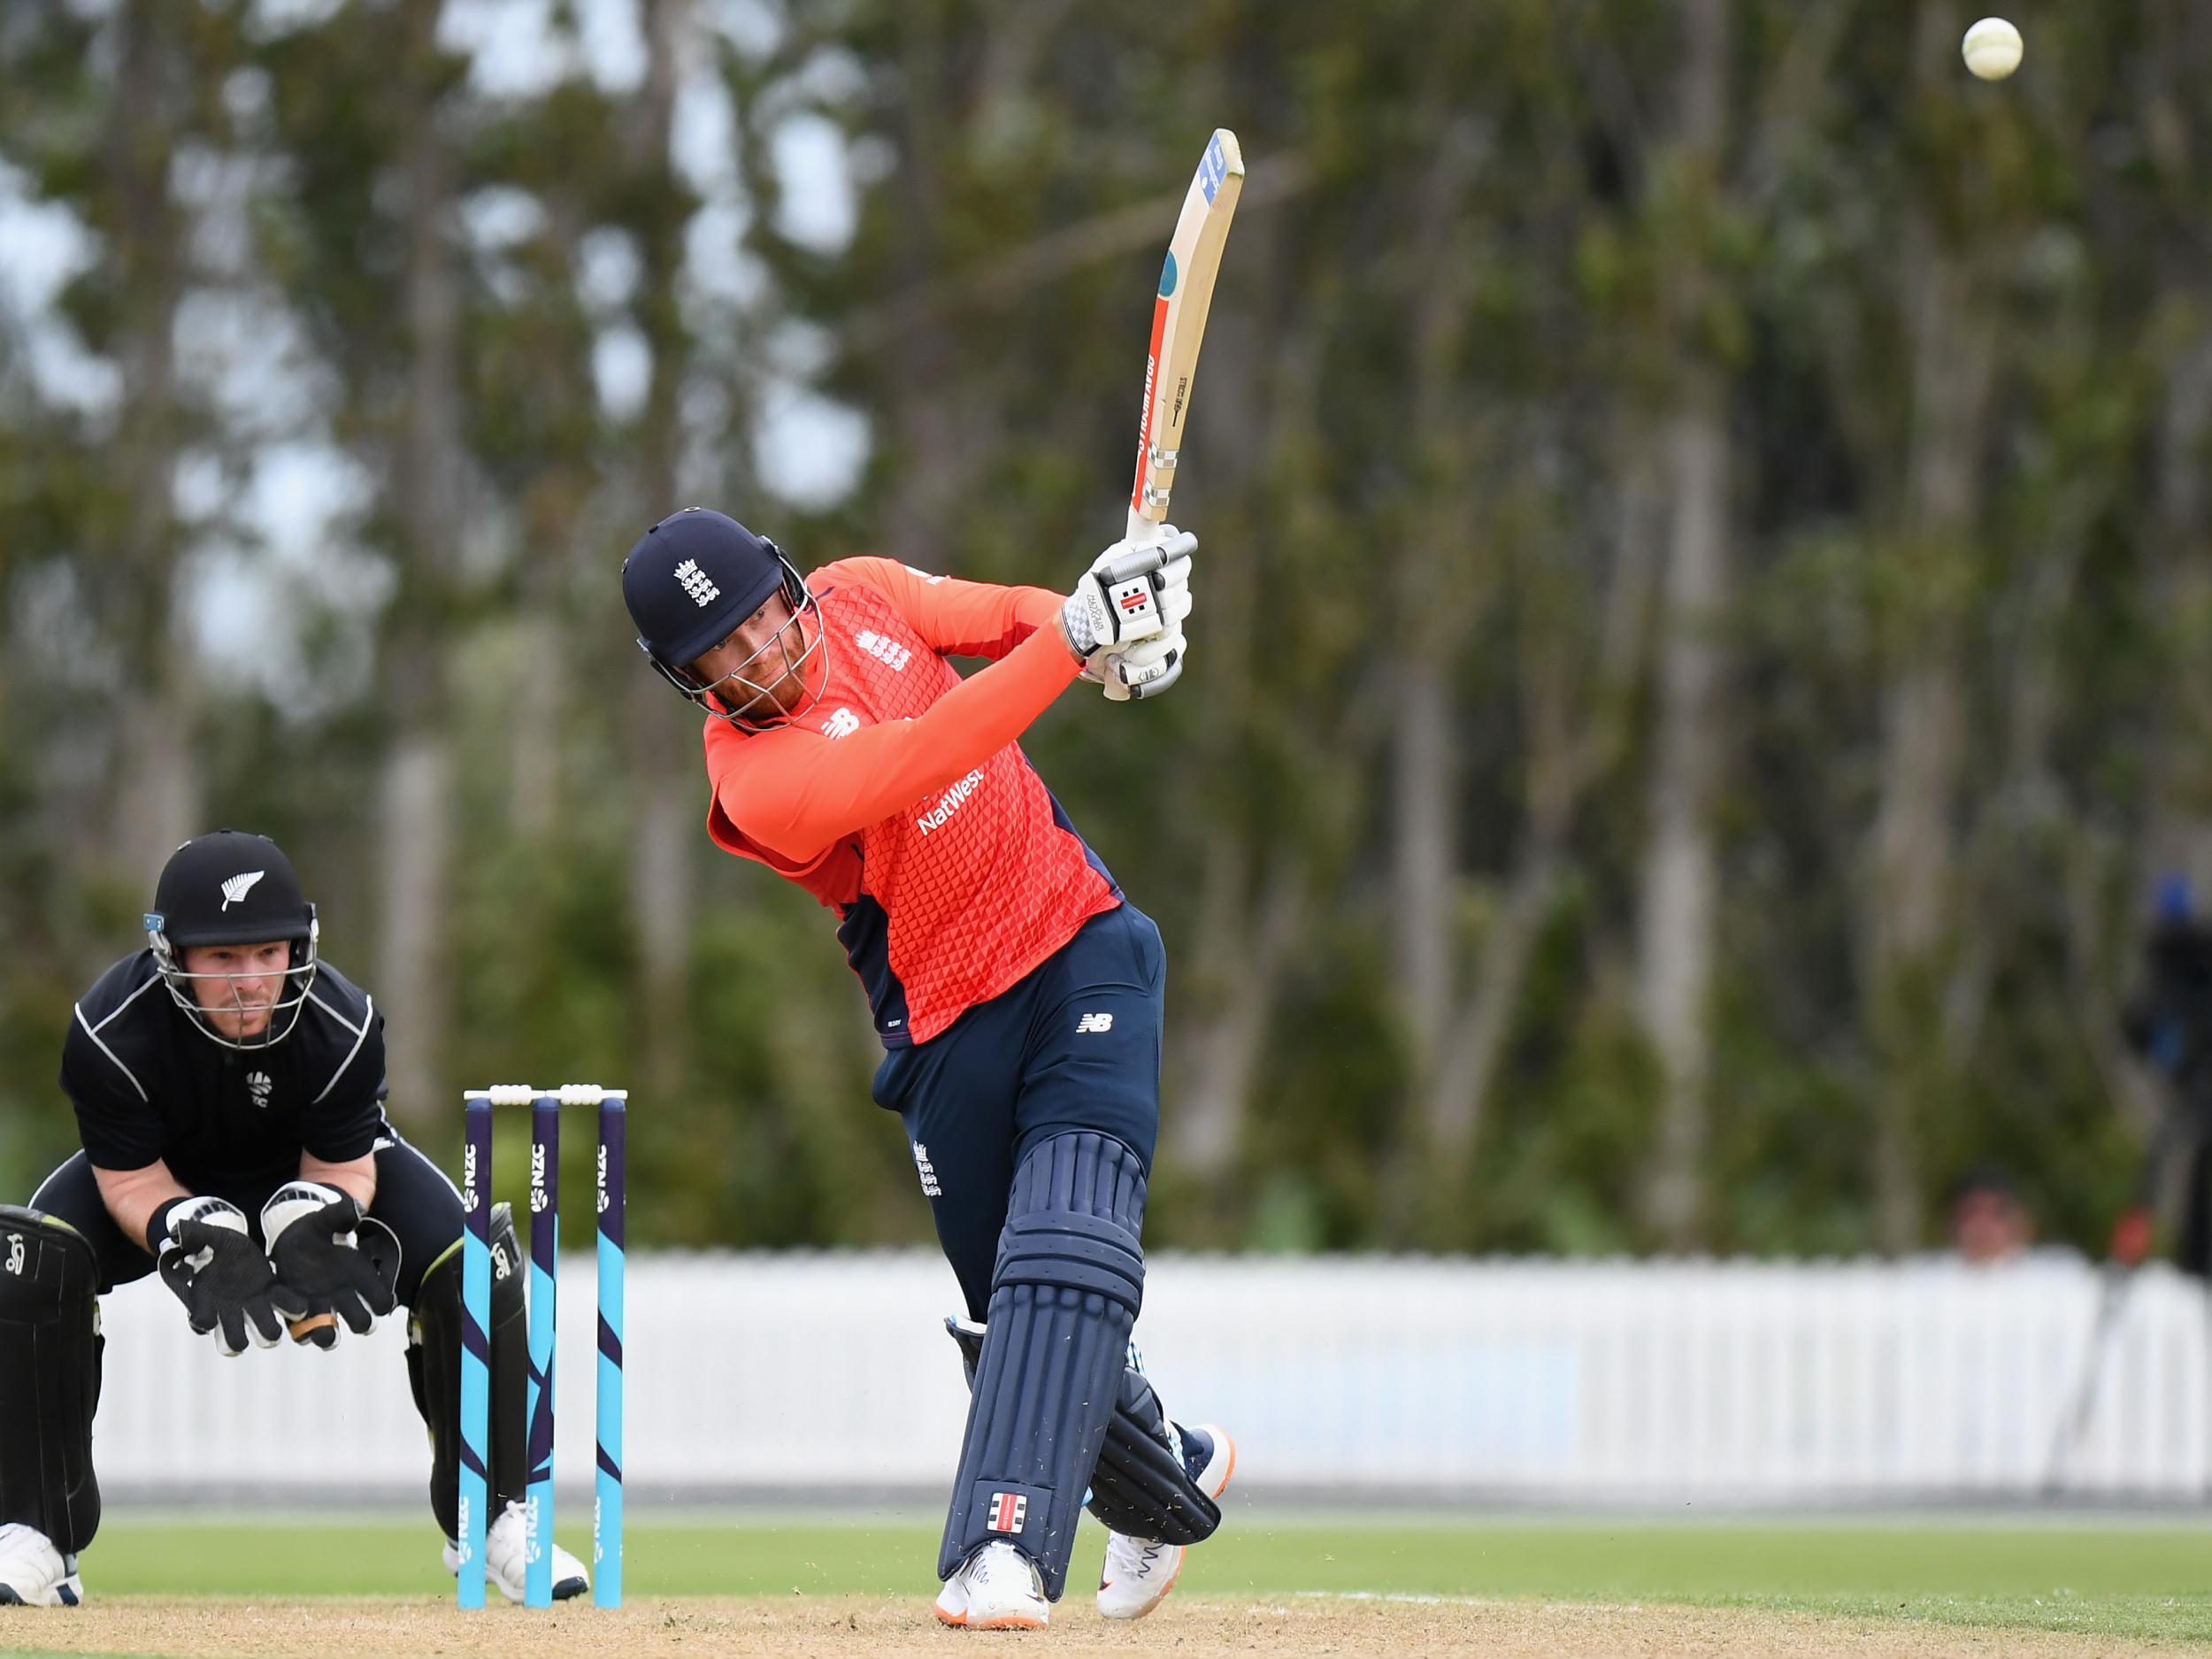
2134,1579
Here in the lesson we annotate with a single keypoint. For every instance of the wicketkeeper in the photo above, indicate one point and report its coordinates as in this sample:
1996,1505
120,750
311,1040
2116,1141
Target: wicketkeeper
1017,995
229,1087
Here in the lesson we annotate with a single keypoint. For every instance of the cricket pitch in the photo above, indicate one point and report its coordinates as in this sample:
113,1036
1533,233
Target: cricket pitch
1193,1628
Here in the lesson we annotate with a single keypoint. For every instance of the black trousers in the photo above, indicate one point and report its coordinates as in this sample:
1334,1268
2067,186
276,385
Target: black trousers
414,1198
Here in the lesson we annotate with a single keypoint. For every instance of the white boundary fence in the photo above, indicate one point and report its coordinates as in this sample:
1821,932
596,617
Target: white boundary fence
827,1377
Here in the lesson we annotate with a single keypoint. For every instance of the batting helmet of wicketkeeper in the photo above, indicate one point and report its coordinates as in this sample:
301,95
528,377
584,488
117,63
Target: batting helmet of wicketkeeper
232,888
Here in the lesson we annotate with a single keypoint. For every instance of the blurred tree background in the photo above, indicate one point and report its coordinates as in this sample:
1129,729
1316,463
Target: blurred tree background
1705,628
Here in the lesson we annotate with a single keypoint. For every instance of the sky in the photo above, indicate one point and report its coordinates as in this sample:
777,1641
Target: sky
283,537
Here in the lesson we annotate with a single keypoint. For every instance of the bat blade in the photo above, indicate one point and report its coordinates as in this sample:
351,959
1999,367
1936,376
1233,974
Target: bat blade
1179,327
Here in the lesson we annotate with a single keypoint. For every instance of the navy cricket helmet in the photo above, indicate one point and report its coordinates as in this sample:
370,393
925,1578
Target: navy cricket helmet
690,581
231,887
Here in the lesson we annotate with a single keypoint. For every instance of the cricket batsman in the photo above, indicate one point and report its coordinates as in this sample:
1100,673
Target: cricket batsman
1019,996
229,1089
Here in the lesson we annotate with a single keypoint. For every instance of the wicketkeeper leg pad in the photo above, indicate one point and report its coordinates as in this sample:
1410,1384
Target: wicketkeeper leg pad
433,1367
1065,1291
49,1377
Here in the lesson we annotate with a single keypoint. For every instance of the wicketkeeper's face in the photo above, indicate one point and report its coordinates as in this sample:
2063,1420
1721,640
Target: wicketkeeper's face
237,986
757,672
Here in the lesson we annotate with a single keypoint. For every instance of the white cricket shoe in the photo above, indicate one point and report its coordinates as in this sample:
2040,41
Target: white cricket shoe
34,1573
997,1589
1139,1572
506,1559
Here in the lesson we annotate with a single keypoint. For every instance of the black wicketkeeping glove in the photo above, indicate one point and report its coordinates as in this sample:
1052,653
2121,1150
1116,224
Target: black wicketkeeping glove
219,1274
330,1259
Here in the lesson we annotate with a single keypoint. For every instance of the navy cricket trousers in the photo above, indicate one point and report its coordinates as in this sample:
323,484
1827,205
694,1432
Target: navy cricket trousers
1074,1046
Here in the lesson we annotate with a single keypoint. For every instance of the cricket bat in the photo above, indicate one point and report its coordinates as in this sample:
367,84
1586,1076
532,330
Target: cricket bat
1178,327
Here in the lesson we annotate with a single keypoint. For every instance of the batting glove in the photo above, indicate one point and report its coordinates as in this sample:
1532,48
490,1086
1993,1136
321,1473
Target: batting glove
1127,595
1147,668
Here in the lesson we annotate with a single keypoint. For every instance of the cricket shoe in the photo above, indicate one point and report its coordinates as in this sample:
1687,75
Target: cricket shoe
1139,1572
997,1589
34,1573
507,1559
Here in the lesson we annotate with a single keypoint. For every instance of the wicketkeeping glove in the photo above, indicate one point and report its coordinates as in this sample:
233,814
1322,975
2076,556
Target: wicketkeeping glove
225,1282
330,1259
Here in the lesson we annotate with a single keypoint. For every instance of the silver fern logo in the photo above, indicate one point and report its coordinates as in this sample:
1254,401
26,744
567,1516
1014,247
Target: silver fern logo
235,890
259,1086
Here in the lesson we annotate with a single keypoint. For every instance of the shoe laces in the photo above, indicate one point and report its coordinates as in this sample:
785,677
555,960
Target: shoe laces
1137,1553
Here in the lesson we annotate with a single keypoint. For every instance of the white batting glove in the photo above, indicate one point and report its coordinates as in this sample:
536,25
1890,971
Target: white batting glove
1128,594
1147,668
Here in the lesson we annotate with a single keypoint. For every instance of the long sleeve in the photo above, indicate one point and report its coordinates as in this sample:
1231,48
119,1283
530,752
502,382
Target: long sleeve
957,618
796,791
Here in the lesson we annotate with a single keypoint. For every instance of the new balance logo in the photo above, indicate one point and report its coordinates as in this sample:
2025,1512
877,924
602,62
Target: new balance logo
1091,1023
697,584
1009,1511
235,890
844,722
928,1171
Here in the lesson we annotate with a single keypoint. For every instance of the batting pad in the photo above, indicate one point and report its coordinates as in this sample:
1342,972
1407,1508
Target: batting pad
1066,1290
49,1377
1141,1488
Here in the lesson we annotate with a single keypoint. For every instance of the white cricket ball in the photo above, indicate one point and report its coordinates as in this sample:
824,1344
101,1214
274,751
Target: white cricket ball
1992,49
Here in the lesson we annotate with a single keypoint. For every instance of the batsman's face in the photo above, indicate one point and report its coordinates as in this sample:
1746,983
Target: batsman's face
240,985
756,671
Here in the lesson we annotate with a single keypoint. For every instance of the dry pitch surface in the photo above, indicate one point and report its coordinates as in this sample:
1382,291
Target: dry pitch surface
832,1626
